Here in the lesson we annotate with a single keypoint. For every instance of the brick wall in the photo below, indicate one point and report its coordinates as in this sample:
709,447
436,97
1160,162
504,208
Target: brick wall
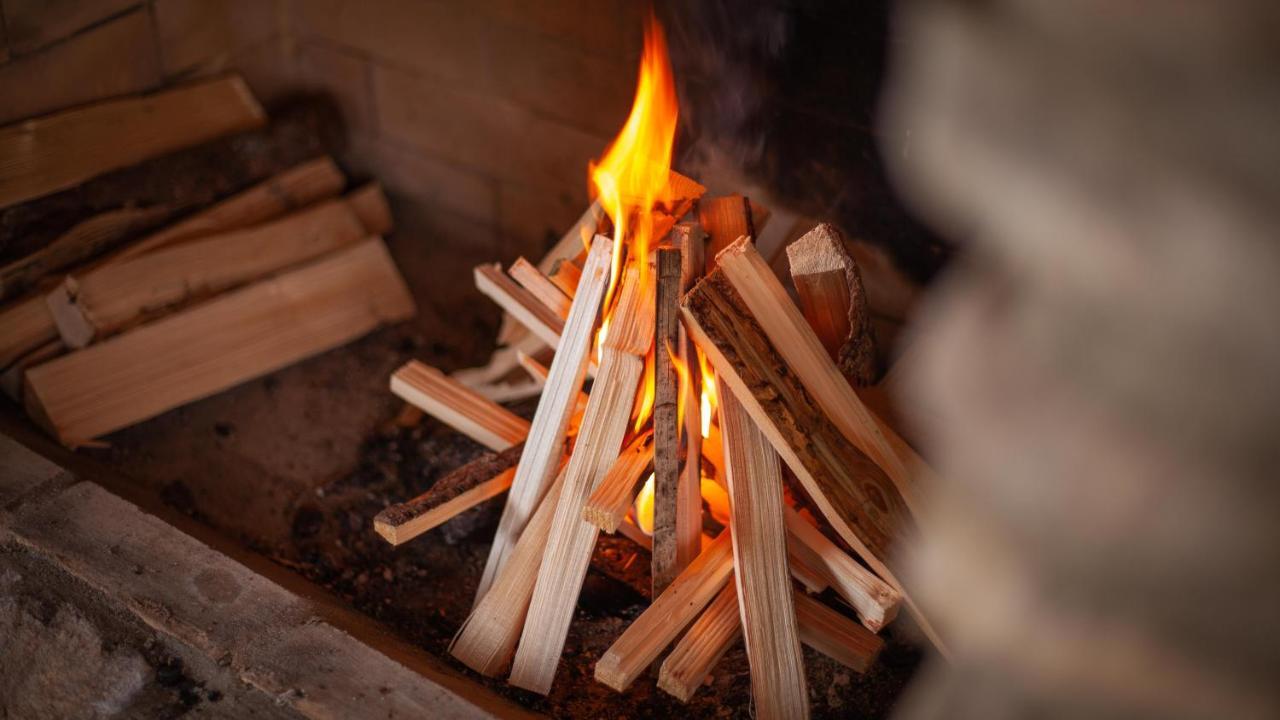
479,116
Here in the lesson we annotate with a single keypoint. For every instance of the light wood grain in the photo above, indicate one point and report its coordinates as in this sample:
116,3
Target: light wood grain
58,151
521,304
555,408
875,601
612,499
834,302
540,286
204,350
458,406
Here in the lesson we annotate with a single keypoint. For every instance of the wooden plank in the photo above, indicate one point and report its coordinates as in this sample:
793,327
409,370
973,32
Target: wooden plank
487,640
612,499
569,546
458,406
668,615
29,322
122,293
719,627
853,493
204,350
565,275
57,151
540,286
874,600
466,487
760,566
555,408
520,303
834,302
728,218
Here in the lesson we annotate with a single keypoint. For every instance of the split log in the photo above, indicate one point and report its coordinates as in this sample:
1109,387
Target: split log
58,151
719,627
487,640
834,302
31,326
728,218
551,419
569,546
521,304
209,348
125,292
672,611
875,602
539,373
540,286
458,406
676,534
466,487
565,274
760,566
612,499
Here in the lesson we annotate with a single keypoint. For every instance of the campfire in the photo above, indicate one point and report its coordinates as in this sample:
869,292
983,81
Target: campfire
706,381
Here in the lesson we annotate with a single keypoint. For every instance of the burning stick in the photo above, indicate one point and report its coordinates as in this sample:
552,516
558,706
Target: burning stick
568,551
719,627
458,406
830,289
612,498
540,286
760,566
677,526
874,600
483,478
551,420
655,629
487,639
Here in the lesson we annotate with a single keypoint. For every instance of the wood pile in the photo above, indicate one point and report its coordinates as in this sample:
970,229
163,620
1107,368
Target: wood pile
138,310
776,382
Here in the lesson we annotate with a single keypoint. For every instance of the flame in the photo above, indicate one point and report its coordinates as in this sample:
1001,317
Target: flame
717,500
709,399
645,394
715,496
685,384
634,171
644,506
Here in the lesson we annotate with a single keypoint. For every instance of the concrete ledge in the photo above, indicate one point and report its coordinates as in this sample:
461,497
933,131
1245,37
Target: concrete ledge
277,642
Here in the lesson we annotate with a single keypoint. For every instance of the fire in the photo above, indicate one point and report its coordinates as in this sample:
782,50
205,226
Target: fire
644,506
645,394
634,171
709,400
685,384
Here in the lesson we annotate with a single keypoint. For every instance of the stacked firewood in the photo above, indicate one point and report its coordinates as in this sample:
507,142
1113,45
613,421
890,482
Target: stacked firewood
711,377
122,317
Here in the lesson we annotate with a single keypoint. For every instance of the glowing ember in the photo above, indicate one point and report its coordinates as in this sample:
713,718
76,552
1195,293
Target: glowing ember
633,174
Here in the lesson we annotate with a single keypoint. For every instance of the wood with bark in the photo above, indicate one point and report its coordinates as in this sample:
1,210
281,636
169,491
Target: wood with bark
613,497
691,241
569,546
458,406
466,487
760,565
540,286
719,627
487,639
834,302
655,628
555,408
121,293
198,352
57,151
28,321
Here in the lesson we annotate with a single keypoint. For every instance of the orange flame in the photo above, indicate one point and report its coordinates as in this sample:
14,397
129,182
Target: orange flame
644,506
634,171
709,400
685,384
645,394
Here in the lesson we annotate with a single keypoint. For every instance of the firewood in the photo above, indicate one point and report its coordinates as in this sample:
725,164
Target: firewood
569,546
576,237
854,494
612,498
785,327
760,565
118,294
834,302
540,286
728,218
521,304
555,408
211,347
632,532
719,627
565,274
804,568
675,534
487,639
672,611
691,241
58,151
458,406
875,602
539,373
28,321
481,479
